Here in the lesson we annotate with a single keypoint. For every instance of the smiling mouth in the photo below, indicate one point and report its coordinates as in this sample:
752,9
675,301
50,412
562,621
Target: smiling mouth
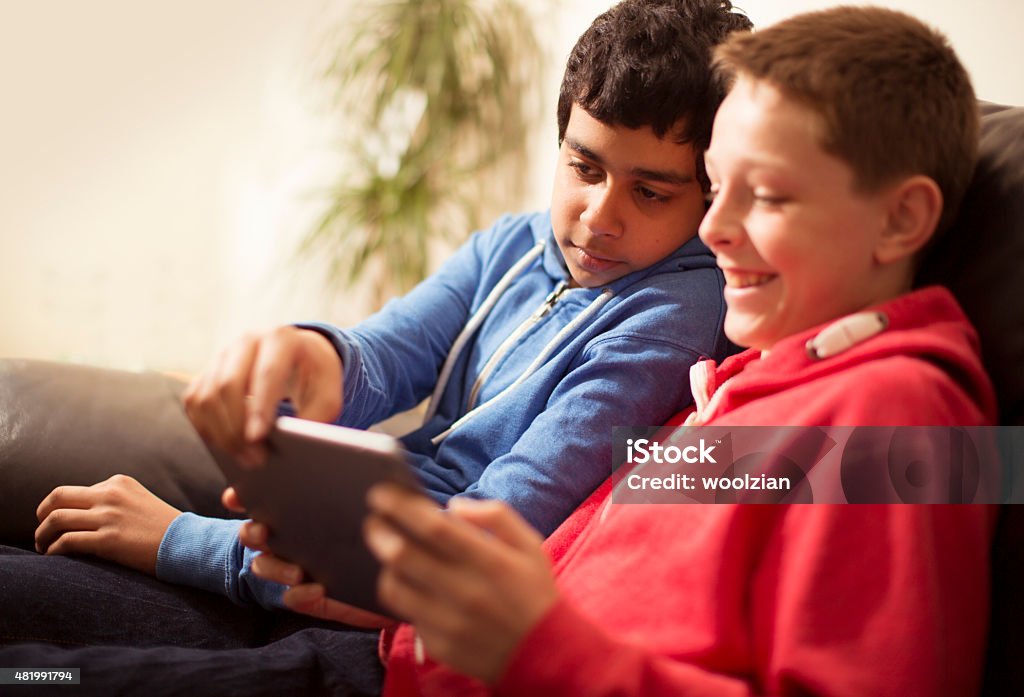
742,279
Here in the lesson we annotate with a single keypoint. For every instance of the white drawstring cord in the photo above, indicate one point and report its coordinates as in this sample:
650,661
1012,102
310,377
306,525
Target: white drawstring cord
474,323
566,331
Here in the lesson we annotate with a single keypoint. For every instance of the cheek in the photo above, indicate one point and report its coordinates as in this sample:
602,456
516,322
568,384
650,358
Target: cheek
689,214
813,279
672,227
789,247
558,182
692,217
566,202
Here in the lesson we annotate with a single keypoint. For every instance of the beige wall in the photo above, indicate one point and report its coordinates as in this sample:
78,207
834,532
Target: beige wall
154,158
986,34
157,163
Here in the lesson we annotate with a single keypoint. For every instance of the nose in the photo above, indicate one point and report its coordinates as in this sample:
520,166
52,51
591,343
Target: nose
603,213
722,225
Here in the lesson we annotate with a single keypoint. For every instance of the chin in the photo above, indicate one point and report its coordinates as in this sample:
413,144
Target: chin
587,279
745,336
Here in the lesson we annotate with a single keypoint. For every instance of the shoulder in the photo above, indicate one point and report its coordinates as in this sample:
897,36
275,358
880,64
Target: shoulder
692,290
684,308
900,390
518,231
684,288
490,252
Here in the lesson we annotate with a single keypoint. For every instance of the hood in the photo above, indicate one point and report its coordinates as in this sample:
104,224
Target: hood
927,324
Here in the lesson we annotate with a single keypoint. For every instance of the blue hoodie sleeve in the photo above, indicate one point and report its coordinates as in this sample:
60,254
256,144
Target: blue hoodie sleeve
391,363
392,360
206,553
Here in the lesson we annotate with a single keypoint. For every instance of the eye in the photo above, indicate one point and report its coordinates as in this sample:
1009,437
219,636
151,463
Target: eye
584,170
711,194
769,201
764,197
651,195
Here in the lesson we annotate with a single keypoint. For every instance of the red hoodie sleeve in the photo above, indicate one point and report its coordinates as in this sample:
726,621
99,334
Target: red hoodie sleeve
847,600
566,654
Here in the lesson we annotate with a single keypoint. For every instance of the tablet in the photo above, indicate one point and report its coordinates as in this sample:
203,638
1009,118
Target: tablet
311,494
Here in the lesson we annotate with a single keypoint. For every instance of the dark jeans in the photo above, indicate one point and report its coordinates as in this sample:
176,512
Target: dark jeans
132,634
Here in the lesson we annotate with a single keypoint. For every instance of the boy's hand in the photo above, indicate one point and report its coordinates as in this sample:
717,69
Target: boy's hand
311,599
305,598
234,403
117,519
230,500
473,581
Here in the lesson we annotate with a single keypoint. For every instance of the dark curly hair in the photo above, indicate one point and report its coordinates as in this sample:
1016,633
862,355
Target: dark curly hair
648,63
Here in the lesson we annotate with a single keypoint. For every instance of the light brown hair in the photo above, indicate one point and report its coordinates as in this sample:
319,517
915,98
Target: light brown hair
894,97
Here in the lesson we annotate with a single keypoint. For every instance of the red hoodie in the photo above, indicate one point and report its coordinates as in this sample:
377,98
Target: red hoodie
774,599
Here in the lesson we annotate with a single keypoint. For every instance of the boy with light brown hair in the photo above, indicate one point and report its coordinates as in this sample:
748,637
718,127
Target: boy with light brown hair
845,144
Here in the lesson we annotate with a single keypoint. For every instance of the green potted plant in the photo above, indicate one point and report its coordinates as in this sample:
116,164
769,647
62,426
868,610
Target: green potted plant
438,98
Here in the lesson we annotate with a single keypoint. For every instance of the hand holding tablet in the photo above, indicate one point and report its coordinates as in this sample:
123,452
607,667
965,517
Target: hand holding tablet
311,495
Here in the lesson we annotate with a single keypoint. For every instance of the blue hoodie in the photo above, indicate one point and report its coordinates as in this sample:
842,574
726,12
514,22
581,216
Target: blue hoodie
528,378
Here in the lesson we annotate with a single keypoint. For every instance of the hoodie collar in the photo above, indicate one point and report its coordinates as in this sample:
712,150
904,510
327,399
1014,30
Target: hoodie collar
926,323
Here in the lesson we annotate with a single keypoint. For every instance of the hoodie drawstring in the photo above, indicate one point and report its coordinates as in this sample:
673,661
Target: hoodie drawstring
566,331
474,323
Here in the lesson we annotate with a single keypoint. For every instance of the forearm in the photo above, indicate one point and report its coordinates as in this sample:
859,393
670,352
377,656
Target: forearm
206,553
392,360
366,396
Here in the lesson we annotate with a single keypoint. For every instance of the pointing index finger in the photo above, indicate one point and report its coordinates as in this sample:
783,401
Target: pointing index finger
271,372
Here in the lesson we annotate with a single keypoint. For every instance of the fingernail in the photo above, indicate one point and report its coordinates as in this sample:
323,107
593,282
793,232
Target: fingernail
457,502
383,542
254,430
380,497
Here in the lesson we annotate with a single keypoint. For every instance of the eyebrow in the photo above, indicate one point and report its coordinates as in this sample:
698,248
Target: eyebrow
754,161
664,176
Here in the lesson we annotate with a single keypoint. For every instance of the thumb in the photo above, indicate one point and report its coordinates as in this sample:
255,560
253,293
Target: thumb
499,519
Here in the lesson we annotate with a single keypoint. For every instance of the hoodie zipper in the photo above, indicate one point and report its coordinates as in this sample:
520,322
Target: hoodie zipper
513,338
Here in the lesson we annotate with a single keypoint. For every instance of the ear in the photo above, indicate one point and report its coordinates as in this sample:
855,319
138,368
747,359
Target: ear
913,209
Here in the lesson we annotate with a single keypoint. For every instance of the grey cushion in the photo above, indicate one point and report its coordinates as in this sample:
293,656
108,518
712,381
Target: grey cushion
981,260
69,424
